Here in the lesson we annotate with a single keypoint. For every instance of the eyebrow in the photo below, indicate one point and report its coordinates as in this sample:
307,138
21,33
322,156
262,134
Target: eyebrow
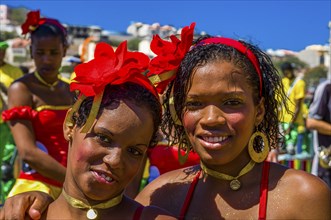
232,93
106,131
111,134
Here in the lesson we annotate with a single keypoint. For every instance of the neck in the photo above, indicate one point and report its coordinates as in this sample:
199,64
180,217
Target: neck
50,79
234,182
91,210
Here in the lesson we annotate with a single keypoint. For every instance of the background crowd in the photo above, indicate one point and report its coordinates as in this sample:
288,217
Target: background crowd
34,151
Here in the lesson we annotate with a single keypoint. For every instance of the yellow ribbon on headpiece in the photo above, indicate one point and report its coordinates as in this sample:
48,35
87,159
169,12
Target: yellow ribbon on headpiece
94,112
32,28
74,108
155,79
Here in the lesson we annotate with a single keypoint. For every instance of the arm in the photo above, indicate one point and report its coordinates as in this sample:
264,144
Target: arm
23,133
31,203
321,126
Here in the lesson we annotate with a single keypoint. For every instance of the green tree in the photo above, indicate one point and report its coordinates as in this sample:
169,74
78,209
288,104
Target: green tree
299,64
17,15
133,44
312,76
4,35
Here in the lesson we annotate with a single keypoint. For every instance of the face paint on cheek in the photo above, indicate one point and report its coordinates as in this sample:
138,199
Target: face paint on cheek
82,153
190,121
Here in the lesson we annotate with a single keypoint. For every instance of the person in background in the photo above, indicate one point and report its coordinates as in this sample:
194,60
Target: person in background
37,105
221,103
294,87
319,120
8,73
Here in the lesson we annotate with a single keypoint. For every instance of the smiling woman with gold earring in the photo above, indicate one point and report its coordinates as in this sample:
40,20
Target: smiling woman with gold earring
37,107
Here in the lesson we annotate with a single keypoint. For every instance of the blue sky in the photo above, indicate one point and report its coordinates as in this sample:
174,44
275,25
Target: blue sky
279,24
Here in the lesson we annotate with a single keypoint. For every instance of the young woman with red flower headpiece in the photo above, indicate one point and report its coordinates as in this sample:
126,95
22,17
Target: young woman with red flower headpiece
222,103
37,107
113,122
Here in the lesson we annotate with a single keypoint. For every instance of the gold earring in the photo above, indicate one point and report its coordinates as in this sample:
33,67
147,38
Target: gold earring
70,137
182,158
258,157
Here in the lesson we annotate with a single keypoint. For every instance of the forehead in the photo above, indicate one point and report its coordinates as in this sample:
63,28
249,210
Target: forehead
46,42
126,116
218,75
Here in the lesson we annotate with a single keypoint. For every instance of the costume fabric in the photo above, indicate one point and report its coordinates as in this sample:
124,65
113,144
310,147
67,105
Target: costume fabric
263,193
165,158
47,123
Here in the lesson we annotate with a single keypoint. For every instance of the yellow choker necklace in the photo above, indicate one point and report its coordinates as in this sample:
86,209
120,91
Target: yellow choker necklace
92,213
51,86
235,183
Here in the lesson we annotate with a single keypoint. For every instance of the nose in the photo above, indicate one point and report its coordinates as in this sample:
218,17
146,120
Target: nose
114,157
212,116
47,58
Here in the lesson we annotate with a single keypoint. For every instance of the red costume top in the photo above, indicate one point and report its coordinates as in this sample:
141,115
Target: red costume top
47,123
263,193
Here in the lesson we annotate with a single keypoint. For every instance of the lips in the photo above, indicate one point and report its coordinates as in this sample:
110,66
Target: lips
213,142
103,177
214,139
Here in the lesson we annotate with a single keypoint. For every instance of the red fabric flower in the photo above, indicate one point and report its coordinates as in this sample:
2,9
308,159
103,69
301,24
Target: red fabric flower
109,67
33,21
169,54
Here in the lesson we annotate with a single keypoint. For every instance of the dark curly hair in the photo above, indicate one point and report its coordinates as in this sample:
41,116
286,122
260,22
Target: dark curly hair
127,91
201,55
48,29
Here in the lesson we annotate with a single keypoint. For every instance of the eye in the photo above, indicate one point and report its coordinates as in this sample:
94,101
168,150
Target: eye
103,138
39,53
55,52
233,102
134,151
193,105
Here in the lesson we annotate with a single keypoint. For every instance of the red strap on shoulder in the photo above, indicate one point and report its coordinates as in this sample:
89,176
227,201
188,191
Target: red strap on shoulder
264,191
189,196
137,213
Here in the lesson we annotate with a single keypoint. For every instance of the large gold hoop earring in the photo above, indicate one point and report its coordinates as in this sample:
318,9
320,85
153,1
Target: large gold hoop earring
182,158
258,157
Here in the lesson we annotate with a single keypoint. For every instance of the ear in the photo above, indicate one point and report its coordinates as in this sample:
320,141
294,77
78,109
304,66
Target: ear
68,126
260,112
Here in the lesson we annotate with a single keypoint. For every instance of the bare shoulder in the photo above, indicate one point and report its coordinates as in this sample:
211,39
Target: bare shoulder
153,212
166,183
19,92
308,195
